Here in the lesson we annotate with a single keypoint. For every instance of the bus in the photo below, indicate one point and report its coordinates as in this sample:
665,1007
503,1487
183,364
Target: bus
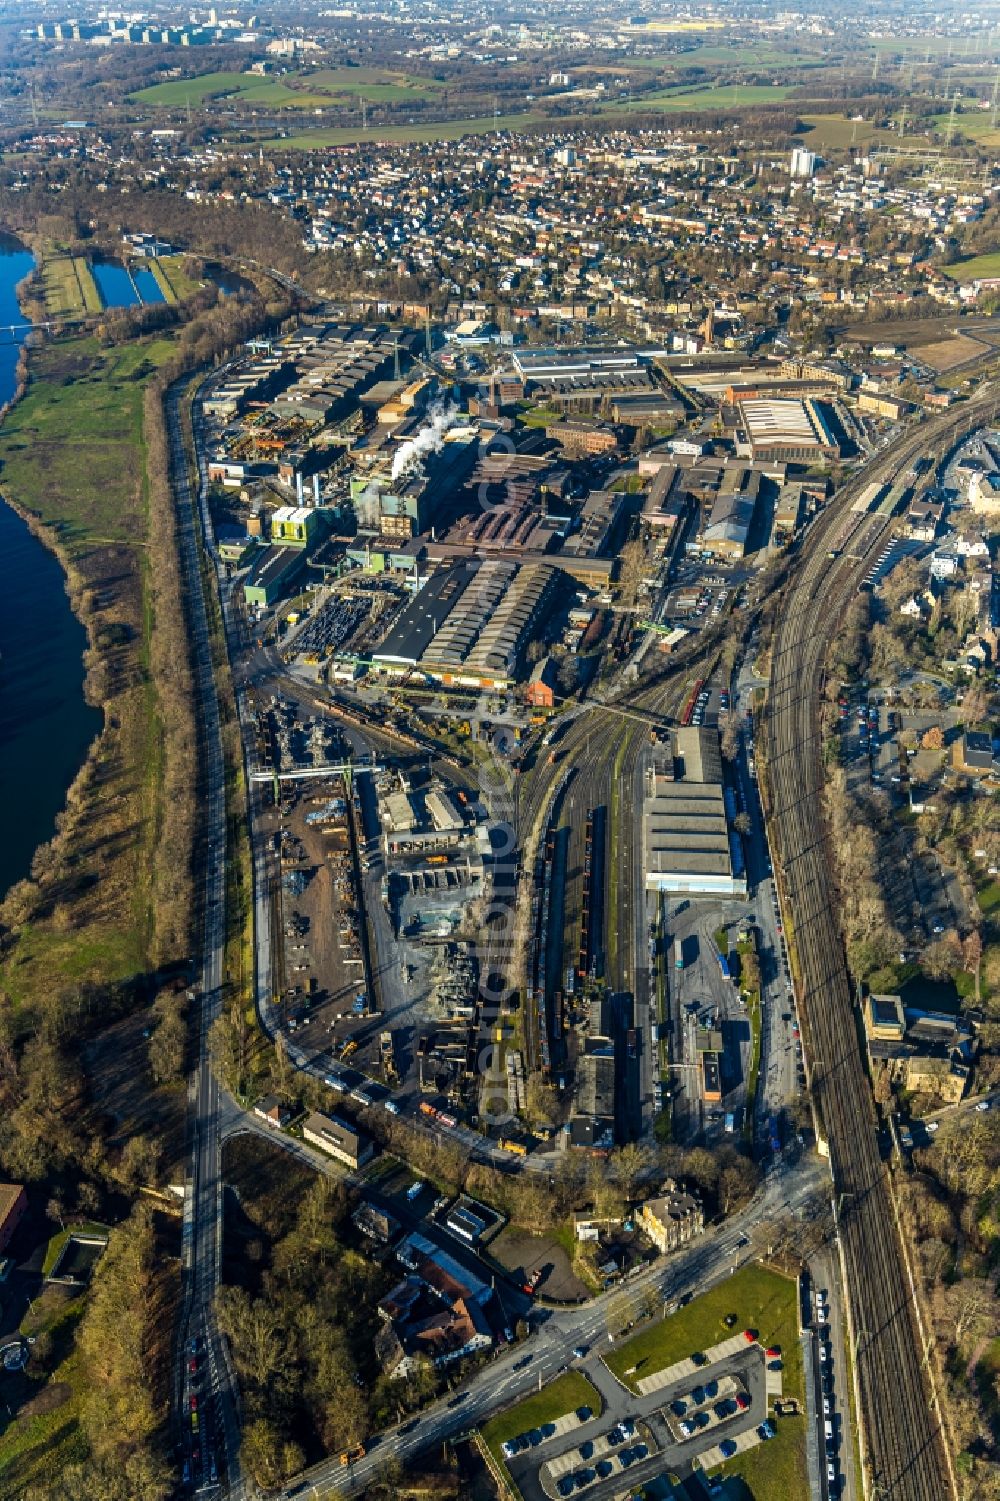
678,954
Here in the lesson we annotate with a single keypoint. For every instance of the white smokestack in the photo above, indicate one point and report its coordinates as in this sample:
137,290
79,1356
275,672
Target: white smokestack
428,440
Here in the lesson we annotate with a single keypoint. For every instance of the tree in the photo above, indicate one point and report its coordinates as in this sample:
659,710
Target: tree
628,1165
972,956
737,1182
264,1454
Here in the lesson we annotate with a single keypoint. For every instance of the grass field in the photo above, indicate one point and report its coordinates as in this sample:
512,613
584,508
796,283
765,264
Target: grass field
69,288
245,87
762,1300
560,1397
80,426
837,132
777,1469
320,89
376,85
988,897
979,267
172,279
977,127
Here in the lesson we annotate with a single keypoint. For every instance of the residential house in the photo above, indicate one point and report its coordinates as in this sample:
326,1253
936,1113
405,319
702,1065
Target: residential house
671,1219
343,1141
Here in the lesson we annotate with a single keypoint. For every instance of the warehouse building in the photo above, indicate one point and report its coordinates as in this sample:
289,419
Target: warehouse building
688,846
785,431
468,625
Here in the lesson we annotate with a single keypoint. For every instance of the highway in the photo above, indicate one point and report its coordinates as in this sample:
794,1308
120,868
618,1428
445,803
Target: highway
902,1442
219,1434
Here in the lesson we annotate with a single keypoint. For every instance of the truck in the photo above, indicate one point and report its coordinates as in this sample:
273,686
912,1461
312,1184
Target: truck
678,954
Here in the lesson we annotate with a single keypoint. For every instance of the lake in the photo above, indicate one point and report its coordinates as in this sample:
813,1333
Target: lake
45,723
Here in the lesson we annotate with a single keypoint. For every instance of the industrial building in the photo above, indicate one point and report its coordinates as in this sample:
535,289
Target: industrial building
688,845
727,530
276,570
785,430
295,526
394,504
468,625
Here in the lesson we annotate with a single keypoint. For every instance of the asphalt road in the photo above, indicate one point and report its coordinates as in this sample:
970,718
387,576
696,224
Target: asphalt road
217,1438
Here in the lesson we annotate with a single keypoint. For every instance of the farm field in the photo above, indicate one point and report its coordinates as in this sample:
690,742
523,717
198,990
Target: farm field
709,53
375,84
723,96
319,89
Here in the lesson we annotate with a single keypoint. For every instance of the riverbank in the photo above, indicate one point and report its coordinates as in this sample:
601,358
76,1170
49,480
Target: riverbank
73,465
46,726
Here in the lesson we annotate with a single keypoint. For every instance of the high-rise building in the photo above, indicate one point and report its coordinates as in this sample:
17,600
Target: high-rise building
803,163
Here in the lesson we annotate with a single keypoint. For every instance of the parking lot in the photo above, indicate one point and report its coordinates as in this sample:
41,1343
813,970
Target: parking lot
722,1403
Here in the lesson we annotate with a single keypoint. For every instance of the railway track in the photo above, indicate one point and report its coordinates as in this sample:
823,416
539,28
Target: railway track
903,1441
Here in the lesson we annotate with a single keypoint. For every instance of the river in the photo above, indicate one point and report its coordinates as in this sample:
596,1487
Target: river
45,723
